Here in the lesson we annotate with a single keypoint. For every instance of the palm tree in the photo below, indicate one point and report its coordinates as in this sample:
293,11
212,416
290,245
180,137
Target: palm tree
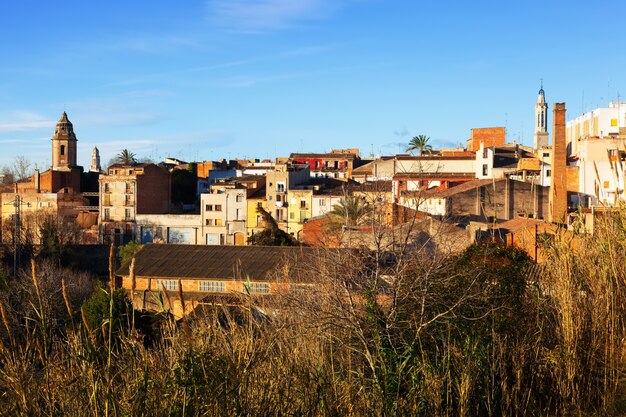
351,211
419,142
125,157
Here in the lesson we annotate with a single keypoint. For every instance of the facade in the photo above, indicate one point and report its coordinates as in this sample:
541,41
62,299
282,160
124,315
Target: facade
34,208
600,164
127,191
224,212
499,161
299,210
337,164
488,136
169,228
601,123
482,200
278,183
254,221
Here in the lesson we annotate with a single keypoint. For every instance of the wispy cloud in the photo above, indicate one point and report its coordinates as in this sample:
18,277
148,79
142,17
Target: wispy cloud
254,16
22,121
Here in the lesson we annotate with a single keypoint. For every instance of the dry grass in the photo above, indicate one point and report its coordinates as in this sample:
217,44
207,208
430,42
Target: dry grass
466,335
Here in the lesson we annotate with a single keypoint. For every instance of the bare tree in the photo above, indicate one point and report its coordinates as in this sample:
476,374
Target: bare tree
21,167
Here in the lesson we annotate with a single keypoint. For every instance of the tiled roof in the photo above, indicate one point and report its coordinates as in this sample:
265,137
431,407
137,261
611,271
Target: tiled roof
449,192
219,262
323,155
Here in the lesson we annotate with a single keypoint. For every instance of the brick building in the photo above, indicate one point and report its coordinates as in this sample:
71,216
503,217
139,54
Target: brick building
125,192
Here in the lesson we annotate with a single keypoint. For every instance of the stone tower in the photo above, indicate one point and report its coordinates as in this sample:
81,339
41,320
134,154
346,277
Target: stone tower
63,145
541,121
95,160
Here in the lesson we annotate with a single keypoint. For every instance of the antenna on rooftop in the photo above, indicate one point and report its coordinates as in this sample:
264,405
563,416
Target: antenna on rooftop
506,122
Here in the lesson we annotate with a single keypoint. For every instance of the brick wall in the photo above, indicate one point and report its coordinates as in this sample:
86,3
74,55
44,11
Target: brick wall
558,188
490,136
503,201
153,191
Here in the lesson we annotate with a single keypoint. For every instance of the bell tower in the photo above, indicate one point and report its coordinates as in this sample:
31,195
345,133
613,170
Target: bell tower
63,145
95,160
541,121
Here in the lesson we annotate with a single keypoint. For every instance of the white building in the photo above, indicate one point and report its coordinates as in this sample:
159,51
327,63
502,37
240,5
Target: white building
223,212
601,123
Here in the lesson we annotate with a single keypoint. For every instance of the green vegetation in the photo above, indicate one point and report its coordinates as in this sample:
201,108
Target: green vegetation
484,332
351,211
126,157
419,143
127,251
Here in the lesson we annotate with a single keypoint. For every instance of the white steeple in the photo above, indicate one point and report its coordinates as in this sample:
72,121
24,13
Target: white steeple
95,160
541,121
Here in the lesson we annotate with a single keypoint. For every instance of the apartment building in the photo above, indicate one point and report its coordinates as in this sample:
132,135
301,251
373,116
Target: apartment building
224,209
278,183
339,163
125,192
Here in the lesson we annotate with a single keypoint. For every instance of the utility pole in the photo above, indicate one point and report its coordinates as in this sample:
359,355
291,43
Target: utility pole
17,204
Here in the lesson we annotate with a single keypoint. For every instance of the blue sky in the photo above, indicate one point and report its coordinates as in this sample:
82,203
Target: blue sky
202,80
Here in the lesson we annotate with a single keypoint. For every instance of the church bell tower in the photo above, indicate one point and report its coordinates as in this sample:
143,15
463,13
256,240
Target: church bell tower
63,145
541,121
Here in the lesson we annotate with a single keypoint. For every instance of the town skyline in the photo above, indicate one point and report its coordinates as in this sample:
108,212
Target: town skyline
215,79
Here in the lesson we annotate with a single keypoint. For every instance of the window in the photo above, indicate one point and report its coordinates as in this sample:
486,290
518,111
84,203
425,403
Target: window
237,214
218,222
302,204
546,154
322,202
259,204
211,286
256,287
218,207
485,153
278,199
106,187
208,207
548,172
485,169
280,187
303,289
239,198
209,222
292,215
107,214
167,284
62,149
605,184
128,214
129,188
